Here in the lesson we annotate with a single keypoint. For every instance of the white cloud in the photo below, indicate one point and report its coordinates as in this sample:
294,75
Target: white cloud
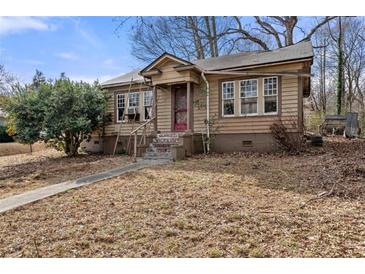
87,34
67,55
109,61
10,25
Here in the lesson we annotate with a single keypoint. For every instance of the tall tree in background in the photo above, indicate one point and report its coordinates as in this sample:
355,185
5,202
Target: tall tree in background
340,68
282,31
6,80
210,36
319,97
38,79
188,37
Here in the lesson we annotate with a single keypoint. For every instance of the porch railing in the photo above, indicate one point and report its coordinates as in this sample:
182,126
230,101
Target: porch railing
134,133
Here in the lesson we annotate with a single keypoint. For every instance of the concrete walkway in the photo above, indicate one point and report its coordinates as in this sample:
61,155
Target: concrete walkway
43,192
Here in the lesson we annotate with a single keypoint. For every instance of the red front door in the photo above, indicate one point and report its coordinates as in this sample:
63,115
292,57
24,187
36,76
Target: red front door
180,123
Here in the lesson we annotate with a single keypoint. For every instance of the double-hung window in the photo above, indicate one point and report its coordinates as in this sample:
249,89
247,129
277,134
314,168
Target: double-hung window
133,99
147,104
228,98
120,106
248,97
270,95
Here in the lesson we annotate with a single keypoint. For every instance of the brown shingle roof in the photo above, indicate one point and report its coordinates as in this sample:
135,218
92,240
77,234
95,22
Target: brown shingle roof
298,51
124,79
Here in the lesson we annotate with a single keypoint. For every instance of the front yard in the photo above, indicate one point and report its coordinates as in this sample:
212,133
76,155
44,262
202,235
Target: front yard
243,205
23,172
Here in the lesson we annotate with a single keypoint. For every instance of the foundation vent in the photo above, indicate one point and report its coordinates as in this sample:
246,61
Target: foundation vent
247,143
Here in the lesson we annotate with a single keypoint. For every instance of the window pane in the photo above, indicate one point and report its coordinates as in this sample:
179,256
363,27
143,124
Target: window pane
120,113
134,99
228,90
228,107
120,106
270,86
270,104
120,100
249,106
248,88
147,98
147,113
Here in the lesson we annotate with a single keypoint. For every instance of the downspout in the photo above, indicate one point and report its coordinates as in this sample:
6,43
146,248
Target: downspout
208,115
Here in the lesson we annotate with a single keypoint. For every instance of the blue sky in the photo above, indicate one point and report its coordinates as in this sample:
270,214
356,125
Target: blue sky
85,48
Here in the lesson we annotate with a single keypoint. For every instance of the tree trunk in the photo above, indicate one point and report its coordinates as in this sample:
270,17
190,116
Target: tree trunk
215,39
340,74
197,39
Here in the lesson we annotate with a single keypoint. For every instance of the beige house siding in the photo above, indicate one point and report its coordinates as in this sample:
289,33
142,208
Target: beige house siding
164,110
199,109
289,102
113,127
169,74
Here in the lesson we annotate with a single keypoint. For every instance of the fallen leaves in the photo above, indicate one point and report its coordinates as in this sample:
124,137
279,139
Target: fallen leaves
23,172
203,207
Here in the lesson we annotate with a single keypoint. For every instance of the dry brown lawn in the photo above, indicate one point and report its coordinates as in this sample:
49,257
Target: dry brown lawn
16,148
23,172
243,205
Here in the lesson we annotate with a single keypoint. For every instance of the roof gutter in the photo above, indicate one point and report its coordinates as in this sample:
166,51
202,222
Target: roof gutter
248,73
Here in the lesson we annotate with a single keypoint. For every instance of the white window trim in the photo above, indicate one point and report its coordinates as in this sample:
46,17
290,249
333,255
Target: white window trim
277,96
117,107
257,98
234,99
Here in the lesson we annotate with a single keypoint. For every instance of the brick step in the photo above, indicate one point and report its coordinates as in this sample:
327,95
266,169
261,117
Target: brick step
166,140
169,135
162,145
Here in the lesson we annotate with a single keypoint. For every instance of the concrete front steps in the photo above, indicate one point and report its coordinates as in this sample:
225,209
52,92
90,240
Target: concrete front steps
164,147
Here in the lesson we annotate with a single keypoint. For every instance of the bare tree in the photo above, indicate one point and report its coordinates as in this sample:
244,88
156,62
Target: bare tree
339,67
281,30
6,80
186,36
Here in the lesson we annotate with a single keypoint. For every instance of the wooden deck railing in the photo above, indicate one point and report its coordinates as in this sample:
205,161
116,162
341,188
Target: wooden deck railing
143,136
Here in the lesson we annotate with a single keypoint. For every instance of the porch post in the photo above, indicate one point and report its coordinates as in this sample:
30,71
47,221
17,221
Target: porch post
155,108
188,105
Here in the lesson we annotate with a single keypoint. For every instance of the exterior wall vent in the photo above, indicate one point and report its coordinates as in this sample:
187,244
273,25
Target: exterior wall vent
247,143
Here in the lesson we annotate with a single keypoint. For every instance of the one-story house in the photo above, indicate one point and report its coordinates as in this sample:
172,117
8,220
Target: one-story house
223,104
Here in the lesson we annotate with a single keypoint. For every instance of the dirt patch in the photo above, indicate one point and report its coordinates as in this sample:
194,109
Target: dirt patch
23,172
244,205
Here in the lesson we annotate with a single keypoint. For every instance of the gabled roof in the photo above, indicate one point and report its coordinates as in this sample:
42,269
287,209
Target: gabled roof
162,57
124,79
298,51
